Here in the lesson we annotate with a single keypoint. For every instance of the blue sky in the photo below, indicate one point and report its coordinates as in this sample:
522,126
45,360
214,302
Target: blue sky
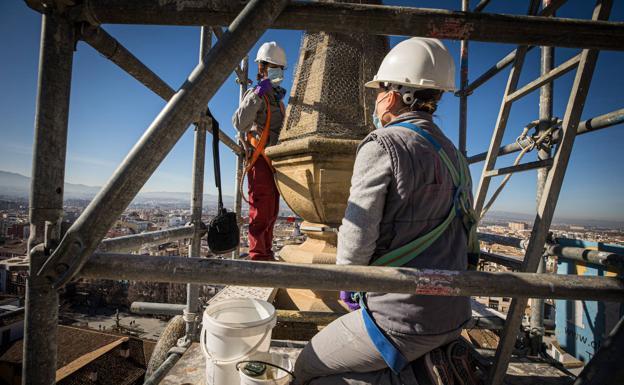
110,110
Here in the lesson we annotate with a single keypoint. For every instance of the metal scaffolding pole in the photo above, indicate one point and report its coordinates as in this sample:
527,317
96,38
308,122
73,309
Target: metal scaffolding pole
463,97
536,331
481,6
113,50
243,78
612,261
153,308
352,278
538,164
510,57
607,259
499,130
86,233
197,196
549,198
545,79
501,121
610,119
46,196
374,19
152,238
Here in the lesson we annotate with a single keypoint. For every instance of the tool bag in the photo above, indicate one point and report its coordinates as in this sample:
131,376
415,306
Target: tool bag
223,232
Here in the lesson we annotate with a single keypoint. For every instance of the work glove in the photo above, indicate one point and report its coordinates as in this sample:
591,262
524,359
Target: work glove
263,87
347,298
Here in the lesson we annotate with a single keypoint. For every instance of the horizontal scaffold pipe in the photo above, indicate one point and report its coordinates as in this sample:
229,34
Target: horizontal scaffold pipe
152,238
157,308
514,263
594,124
113,50
579,254
351,278
372,19
502,240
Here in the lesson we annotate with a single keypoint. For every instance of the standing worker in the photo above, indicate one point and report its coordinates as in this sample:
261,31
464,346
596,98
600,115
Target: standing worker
409,205
259,120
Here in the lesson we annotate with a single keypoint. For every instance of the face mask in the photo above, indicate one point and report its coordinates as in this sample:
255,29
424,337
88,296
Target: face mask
275,75
376,120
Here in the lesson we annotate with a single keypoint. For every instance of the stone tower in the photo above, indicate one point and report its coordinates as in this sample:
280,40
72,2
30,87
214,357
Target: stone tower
328,114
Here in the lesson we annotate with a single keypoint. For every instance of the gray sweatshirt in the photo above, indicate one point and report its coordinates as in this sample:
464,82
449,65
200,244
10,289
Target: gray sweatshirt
401,190
251,115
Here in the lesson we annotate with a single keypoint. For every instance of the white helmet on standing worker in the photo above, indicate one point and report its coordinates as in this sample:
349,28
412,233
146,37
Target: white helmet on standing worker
417,63
271,53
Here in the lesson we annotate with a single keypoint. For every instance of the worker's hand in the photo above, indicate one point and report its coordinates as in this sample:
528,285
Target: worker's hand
263,87
347,298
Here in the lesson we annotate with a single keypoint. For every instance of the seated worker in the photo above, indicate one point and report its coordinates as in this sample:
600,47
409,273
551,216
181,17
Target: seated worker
401,190
258,120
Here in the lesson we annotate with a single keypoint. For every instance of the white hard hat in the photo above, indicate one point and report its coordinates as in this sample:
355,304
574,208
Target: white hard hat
420,63
271,53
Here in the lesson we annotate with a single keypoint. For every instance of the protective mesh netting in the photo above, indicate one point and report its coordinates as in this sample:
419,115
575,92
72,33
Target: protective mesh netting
328,97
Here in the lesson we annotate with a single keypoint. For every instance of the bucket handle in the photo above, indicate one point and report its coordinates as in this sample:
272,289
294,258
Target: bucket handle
207,354
268,364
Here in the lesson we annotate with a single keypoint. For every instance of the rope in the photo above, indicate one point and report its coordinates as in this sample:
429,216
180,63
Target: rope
534,142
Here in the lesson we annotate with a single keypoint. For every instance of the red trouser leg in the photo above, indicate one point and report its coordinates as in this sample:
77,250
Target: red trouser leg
263,208
275,212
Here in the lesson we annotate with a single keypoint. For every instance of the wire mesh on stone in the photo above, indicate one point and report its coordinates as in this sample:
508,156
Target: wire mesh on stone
328,97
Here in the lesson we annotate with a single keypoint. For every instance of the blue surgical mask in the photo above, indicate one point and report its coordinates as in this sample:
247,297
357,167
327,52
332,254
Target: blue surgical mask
275,75
376,121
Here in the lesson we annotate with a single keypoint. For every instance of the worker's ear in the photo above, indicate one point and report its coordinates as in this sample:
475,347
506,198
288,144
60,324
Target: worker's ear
395,101
262,70
388,105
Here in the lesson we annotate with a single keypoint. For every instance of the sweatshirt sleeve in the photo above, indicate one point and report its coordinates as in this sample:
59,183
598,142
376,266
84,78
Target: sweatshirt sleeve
358,234
244,117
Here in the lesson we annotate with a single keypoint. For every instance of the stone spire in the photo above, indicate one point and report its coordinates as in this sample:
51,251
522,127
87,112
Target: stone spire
328,114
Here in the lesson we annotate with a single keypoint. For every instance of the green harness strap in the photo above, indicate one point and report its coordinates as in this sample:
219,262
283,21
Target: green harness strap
461,207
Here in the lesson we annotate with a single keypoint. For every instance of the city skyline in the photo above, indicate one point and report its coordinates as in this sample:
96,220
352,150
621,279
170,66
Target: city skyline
110,110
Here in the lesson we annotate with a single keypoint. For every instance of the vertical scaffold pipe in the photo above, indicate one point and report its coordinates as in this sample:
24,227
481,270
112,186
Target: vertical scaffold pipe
463,98
240,157
46,195
199,159
536,332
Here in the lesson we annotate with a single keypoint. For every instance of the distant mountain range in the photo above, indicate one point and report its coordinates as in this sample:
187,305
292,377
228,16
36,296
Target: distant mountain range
15,185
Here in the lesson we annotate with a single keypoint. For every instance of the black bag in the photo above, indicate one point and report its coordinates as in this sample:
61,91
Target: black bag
223,232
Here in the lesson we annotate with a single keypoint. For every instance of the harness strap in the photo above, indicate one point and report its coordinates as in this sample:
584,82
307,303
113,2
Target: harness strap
395,360
402,255
260,145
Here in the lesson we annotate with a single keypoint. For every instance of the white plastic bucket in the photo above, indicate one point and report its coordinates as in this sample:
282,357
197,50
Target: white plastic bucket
273,375
235,330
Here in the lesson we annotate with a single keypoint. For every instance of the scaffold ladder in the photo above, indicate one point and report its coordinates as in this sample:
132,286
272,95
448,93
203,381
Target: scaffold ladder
585,64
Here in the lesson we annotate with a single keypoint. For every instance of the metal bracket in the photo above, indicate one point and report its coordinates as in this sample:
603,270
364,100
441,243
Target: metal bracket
64,262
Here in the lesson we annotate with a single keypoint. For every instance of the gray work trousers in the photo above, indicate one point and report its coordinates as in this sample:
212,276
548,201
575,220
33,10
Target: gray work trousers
343,354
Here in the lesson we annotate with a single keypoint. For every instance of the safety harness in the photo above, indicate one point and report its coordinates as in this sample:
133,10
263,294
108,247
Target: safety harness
259,145
461,207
